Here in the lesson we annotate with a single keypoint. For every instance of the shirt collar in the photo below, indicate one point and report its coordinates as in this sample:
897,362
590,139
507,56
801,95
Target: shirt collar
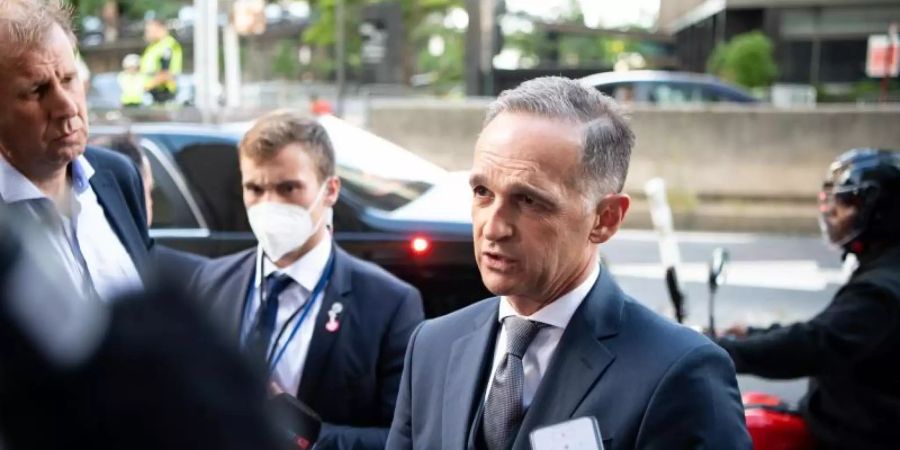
307,270
559,312
15,187
82,171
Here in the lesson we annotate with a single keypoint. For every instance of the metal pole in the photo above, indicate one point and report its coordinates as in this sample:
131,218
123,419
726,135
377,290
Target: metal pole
231,45
212,58
888,62
340,53
201,85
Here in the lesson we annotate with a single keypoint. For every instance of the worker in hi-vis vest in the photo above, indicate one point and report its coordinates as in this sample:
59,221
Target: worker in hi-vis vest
161,61
131,81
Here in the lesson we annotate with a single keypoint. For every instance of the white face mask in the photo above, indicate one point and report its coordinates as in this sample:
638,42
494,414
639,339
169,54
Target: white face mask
282,228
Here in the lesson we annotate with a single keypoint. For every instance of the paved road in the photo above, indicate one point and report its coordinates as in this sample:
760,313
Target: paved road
771,278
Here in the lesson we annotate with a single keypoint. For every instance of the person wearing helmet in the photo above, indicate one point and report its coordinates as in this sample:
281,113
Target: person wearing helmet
851,350
131,81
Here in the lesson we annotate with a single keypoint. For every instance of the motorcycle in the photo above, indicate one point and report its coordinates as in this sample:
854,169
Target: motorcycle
772,423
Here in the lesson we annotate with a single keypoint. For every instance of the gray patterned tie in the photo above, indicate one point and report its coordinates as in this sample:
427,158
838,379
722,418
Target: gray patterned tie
503,411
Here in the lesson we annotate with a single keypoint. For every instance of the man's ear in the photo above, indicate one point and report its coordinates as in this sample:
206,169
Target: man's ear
609,213
333,190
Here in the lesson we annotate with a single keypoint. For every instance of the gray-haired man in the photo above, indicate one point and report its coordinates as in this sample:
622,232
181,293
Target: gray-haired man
561,341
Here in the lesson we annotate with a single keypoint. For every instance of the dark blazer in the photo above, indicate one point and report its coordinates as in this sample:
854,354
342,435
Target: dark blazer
650,383
350,376
117,184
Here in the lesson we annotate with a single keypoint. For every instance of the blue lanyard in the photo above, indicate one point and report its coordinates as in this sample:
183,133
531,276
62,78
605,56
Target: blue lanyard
303,312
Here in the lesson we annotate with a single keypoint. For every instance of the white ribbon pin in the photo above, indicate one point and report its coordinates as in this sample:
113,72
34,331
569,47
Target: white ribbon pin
333,325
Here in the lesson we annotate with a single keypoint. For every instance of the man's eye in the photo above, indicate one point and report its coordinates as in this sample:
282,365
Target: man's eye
480,191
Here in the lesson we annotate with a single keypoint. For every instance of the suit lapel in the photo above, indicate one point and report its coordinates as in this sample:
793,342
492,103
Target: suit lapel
116,211
469,356
579,361
233,310
338,289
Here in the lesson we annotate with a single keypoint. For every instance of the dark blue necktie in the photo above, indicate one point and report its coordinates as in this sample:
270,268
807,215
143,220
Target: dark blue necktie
261,333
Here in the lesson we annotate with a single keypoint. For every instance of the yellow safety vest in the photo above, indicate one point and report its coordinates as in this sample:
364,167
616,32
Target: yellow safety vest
132,86
153,55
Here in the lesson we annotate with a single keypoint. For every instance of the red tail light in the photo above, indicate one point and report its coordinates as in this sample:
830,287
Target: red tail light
420,245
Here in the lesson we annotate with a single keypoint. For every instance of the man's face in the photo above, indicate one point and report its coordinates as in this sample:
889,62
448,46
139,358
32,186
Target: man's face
43,121
153,31
838,215
289,177
532,228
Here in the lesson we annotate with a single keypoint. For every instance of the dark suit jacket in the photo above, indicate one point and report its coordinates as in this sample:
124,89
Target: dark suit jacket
351,376
117,184
650,383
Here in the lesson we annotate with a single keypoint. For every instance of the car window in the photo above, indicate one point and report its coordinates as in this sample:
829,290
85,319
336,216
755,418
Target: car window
675,93
621,92
170,209
212,171
361,163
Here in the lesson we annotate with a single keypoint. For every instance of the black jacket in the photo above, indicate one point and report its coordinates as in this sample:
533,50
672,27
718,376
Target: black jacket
850,351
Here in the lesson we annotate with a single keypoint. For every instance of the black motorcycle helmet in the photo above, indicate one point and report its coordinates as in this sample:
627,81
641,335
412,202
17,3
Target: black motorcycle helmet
868,179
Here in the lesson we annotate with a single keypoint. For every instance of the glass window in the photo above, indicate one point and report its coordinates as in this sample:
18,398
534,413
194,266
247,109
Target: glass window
675,93
379,173
170,210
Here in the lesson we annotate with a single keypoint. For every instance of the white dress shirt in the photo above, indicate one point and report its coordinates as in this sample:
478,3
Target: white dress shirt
556,317
306,272
86,239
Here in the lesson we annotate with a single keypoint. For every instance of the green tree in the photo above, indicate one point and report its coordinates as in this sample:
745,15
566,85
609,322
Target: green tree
322,33
747,59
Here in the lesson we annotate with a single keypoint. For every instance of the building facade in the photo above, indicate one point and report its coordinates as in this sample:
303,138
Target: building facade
816,41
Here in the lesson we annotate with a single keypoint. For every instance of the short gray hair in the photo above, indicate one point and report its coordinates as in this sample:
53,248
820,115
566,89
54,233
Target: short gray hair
608,138
25,24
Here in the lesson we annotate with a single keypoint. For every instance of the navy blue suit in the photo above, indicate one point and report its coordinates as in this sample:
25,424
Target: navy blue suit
650,383
350,376
117,184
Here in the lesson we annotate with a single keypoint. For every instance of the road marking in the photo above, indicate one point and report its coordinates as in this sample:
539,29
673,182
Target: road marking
699,237
797,275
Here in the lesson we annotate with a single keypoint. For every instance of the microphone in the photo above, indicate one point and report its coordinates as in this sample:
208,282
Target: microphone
301,425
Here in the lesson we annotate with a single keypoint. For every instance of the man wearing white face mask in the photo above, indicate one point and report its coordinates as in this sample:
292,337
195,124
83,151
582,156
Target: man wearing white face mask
329,328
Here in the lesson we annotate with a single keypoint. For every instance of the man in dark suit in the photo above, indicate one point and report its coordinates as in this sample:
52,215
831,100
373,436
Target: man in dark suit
330,328
90,201
561,341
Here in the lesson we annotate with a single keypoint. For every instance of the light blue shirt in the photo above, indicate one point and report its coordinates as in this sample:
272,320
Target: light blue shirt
87,245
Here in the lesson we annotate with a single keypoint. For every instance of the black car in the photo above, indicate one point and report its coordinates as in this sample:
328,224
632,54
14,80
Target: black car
396,210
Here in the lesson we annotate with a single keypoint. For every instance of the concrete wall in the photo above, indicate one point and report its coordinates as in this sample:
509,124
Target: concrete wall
743,153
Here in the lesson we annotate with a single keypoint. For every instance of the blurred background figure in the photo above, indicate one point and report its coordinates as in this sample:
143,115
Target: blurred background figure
131,81
173,266
127,145
144,372
161,61
319,106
